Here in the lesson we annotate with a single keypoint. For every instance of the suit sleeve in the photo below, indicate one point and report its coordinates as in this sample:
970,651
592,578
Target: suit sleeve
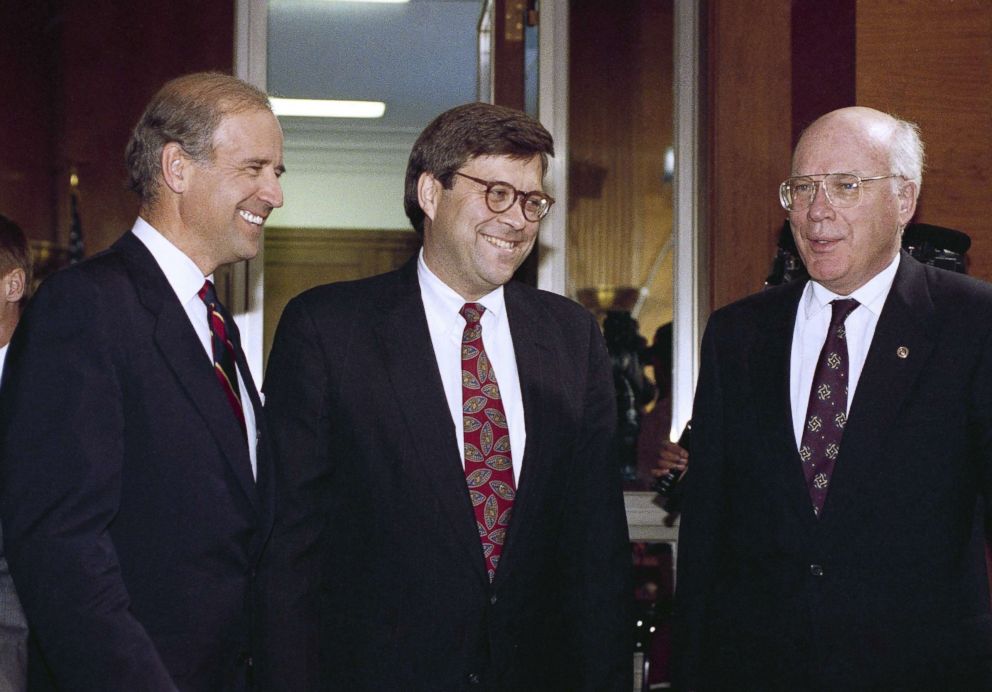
598,592
296,412
981,422
62,429
700,523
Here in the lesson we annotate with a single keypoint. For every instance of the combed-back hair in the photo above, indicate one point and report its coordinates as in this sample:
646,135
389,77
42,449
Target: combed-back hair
466,132
187,110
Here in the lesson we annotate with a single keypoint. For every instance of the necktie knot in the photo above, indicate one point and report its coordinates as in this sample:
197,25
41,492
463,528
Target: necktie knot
222,348
472,312
207,294
841,309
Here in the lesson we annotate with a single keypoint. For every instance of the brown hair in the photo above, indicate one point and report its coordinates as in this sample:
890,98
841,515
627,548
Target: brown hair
463,133
15,253
187,110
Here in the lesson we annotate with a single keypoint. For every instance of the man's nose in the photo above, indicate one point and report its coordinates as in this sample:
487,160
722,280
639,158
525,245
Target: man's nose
820,207
514,216
271,192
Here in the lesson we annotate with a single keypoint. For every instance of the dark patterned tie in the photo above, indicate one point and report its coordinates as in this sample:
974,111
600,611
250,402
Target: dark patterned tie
488,463
223,350
826,414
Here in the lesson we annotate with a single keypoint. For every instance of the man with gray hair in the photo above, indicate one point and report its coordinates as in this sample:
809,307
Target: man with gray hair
136,489
832,533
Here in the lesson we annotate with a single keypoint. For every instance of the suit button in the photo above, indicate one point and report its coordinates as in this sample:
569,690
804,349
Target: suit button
493,599
474,678
816,570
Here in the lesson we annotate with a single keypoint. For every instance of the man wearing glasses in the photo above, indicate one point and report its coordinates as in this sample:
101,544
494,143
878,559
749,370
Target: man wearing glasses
450,516
842,448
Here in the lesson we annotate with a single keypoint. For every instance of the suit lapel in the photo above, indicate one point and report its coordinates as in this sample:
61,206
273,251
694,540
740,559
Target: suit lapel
533,348
770,360
413,374
182,351
904,327
263,488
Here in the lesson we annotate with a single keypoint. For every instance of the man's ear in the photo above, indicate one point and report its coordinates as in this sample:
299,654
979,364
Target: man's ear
14,285
175,167
907,201
429,194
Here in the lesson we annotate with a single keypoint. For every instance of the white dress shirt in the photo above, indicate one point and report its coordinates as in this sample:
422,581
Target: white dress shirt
3,356
186,280
812,322
443,305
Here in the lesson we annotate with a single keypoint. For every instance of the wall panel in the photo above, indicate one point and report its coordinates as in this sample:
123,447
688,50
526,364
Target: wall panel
750,116
620,124
299,258
81,73
28,53
930,61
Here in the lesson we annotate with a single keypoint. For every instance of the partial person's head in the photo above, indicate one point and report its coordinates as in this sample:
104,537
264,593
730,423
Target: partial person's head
468,162
205,159
661,358
849,228
15,264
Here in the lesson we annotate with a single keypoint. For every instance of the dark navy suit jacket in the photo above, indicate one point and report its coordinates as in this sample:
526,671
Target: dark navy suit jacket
376,553
888,589
132,523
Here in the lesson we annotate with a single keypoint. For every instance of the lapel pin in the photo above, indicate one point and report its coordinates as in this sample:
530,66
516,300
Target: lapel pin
902,352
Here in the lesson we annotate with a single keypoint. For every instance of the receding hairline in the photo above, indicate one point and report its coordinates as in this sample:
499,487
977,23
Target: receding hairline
873,127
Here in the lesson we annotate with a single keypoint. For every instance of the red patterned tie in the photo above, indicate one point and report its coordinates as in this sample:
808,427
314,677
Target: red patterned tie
223,350
488,463
826,414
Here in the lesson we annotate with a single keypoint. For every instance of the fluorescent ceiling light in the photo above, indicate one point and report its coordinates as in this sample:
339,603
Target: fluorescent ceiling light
396,2
327,108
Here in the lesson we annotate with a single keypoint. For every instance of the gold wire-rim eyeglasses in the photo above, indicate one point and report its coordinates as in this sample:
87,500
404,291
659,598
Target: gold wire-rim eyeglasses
832,188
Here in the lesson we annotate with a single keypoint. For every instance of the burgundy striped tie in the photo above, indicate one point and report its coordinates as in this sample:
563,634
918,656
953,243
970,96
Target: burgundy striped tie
488,463
223,350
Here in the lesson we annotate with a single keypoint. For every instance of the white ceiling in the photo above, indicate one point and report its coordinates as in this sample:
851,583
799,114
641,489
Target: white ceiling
420,58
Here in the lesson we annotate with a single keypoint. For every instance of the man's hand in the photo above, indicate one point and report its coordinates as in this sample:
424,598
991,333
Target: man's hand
670,457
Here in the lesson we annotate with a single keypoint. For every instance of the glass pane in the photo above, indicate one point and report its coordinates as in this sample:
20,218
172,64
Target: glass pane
620,206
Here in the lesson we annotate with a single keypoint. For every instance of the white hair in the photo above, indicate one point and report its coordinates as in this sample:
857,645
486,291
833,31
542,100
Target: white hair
906,152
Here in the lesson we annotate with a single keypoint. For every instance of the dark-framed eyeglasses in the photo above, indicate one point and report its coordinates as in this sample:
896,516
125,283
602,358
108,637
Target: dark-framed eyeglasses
501,196
843,190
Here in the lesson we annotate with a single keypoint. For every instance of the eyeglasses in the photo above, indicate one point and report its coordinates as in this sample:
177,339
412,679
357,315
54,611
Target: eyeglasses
501,196
842,189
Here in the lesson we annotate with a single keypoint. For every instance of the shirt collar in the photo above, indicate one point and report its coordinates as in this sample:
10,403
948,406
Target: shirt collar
872,295
442,300
181,272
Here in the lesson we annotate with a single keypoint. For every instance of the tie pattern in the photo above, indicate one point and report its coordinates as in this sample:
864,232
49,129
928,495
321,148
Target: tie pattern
223,350
826,414
488,462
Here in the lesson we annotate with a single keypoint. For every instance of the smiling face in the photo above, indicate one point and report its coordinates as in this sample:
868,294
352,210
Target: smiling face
470,248
227,198
843,248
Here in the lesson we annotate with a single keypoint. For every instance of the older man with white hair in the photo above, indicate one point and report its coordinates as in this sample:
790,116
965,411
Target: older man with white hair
832,536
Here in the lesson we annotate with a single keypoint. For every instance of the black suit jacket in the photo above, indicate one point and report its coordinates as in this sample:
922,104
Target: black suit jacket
888,589
132,522
384,585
